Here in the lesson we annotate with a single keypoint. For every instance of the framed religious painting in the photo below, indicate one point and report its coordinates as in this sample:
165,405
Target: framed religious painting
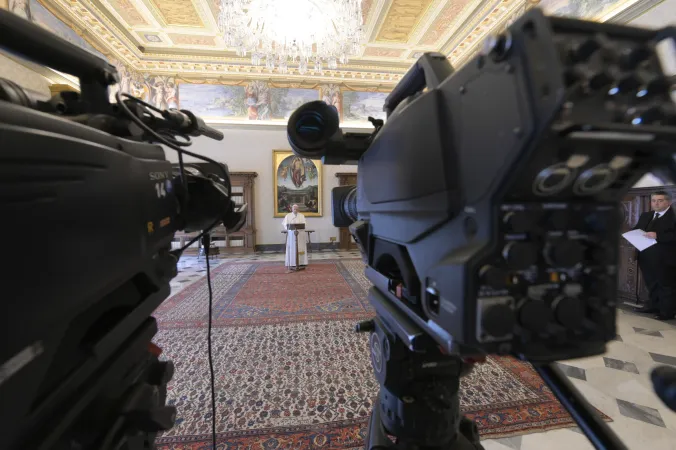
296,181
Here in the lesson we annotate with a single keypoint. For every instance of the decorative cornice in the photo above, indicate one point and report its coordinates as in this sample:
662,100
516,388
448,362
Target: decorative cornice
478,25
109,34
95,25
500,16
286,83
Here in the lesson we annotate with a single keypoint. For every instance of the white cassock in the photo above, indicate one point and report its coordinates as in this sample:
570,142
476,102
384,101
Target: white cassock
290,259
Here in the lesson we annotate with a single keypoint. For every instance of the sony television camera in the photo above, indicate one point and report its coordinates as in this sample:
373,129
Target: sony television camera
487,210
89,208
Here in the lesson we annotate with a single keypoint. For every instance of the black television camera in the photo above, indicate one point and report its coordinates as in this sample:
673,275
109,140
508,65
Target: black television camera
487,211
90,206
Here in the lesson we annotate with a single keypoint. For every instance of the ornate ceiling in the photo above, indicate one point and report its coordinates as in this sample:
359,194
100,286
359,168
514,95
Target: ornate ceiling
181,37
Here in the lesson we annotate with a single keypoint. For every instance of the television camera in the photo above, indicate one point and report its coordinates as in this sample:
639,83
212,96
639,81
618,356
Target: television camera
487,212
86,185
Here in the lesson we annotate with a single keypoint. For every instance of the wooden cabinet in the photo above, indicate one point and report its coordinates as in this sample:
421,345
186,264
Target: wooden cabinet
631,286
242,241
346,241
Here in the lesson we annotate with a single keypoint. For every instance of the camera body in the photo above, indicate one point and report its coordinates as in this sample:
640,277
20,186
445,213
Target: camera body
487,206
86,188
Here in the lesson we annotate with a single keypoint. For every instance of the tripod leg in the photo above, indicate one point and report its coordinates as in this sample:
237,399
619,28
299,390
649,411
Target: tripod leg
419,400
467,437
376,438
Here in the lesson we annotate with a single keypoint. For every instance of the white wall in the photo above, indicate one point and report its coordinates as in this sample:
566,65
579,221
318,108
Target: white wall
248,148
24,77
650,180
663,14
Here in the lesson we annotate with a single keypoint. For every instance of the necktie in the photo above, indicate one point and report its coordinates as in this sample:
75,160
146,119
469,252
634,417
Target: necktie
652,221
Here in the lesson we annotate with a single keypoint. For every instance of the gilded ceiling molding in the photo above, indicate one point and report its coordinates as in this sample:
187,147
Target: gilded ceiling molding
287,84
77,13
471,49
362,79
86,16
446,22
366,9
176,13
477,25
401,20
128,12
377,12
81,29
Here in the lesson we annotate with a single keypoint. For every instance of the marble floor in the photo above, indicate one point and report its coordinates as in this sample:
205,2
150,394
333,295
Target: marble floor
617,383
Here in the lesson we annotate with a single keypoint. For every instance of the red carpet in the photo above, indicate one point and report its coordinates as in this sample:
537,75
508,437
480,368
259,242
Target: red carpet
291,373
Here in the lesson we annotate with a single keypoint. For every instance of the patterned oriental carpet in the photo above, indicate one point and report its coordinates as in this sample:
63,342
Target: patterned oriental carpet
292,373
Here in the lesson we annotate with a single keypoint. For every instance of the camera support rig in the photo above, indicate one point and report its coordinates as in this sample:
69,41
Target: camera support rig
486,207
78,368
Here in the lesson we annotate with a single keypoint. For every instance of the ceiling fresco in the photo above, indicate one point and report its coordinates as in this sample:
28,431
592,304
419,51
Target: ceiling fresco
181,37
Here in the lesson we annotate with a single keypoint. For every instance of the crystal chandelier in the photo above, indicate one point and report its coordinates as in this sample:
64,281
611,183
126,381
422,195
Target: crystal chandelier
278,33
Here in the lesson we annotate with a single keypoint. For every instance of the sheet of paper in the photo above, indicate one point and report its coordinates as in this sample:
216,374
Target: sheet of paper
638,240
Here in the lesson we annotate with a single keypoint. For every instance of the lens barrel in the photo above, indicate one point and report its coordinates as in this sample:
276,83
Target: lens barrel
344,202
311,127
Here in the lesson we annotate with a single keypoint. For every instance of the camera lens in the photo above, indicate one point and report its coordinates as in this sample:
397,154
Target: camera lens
310,126
350,204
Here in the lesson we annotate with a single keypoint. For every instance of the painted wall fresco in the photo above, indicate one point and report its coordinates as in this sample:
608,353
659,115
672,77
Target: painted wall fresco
40,15
358,106
258,100
253,100
585,9
283,102
158,90
213,100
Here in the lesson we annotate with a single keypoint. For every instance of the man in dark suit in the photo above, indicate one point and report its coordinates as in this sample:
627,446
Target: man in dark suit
658,263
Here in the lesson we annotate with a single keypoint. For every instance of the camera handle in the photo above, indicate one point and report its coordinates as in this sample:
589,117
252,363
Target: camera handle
32,42
429,71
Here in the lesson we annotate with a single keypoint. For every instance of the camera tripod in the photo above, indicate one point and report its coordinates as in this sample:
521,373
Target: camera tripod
418,405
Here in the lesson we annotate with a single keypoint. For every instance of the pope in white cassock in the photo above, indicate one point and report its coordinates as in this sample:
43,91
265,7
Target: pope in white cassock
295,217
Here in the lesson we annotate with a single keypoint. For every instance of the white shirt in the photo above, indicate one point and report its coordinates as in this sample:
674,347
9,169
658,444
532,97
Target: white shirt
660,214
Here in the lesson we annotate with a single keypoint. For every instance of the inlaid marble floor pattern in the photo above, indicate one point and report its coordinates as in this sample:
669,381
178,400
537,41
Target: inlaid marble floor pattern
617,383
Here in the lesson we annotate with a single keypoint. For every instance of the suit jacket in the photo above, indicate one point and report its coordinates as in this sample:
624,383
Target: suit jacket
664,252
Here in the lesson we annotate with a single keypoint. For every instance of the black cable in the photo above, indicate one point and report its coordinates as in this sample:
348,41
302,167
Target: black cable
209,351
181,151
166,142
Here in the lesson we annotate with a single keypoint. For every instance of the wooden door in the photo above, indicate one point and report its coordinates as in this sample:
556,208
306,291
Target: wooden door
629,275
346,241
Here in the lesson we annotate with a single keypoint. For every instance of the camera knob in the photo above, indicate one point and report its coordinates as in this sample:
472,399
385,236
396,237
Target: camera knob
519,222
630,57
558,220
624,84
582,51
569,311
161,373
498,321
564,253
520,255
534,315
495,277
653,84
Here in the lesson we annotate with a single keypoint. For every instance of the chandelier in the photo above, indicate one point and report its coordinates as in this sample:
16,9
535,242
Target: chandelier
277,33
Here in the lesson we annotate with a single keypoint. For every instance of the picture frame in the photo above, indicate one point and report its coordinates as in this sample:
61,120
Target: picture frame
296,180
